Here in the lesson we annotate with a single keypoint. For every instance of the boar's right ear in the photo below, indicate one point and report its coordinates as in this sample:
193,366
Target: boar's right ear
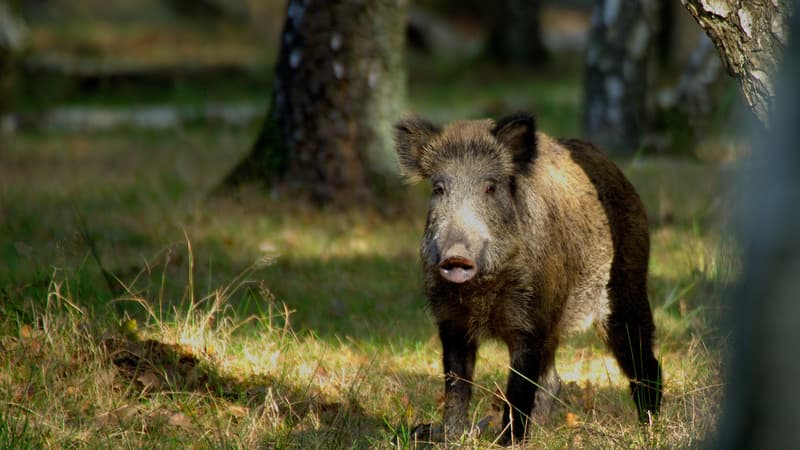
412,135
517,133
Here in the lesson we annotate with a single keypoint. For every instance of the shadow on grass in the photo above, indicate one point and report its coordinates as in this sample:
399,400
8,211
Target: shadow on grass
363,297
151,367
369,297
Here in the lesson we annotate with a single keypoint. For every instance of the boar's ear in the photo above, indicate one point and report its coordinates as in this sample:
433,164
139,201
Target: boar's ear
412,135
517,133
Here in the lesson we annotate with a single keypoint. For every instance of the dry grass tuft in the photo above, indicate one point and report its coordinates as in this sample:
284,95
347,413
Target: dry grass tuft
322,343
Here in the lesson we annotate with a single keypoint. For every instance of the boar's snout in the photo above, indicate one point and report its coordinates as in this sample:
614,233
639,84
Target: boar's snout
457,268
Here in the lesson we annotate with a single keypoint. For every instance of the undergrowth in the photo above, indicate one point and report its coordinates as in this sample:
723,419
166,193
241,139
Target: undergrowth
167,319
202,375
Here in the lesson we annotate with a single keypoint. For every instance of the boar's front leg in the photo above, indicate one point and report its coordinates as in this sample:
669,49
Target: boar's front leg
458,354
531,357
548,390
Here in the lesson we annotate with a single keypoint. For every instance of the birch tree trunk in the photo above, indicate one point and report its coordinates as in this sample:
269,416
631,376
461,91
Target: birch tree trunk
684,111
621,43
763,393
749,35
339,85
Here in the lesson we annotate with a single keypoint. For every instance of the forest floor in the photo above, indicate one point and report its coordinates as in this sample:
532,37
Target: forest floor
137,310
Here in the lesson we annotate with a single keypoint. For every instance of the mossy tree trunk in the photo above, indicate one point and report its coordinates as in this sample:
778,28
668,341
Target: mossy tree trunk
339,85
621,45
750,36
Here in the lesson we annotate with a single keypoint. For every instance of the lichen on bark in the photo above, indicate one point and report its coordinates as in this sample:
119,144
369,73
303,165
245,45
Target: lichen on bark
619,51
339,84
750,36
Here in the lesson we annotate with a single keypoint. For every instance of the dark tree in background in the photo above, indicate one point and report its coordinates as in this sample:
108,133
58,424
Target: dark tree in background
762,402
619,87
694,95
339,85
208,12
515,35
620,47
750,35
12,38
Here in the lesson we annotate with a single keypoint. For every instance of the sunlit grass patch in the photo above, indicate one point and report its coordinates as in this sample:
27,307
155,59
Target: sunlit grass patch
171,380
329,345
205,375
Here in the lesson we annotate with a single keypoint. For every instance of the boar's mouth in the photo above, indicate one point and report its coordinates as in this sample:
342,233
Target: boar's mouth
457,269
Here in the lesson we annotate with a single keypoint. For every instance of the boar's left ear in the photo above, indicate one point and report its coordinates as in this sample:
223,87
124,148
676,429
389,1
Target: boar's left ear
517,133
412,136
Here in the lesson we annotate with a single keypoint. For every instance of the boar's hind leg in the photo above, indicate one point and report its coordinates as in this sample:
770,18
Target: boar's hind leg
629,332
458,355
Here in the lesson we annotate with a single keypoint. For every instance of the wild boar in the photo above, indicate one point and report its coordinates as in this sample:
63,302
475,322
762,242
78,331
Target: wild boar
529,238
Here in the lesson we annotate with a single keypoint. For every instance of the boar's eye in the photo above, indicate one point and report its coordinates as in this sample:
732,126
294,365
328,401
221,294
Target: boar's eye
490,187
438,189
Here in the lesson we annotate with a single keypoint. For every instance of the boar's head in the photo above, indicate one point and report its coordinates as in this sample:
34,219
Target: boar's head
473,168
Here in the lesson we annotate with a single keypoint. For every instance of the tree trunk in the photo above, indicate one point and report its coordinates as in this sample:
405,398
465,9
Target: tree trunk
338,87
621,43
762,394
516,36
208,11
12,39
5,80
694,88
749,35
684,111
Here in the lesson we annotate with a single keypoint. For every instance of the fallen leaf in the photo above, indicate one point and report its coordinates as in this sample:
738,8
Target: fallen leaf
8,343
23,392
238,411
120,416
571,420
150,380
128,412
180,420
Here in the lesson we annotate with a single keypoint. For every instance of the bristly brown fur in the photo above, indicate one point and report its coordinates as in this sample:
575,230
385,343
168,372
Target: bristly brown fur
557,239
422,146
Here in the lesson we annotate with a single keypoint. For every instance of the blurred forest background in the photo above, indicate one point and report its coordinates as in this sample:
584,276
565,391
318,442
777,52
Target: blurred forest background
204,242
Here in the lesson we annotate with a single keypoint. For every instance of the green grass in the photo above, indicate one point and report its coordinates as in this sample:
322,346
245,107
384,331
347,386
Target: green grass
137,311
147,53
251,322
471,89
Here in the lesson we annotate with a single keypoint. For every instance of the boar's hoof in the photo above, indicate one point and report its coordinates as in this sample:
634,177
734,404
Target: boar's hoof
457,269
433,433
